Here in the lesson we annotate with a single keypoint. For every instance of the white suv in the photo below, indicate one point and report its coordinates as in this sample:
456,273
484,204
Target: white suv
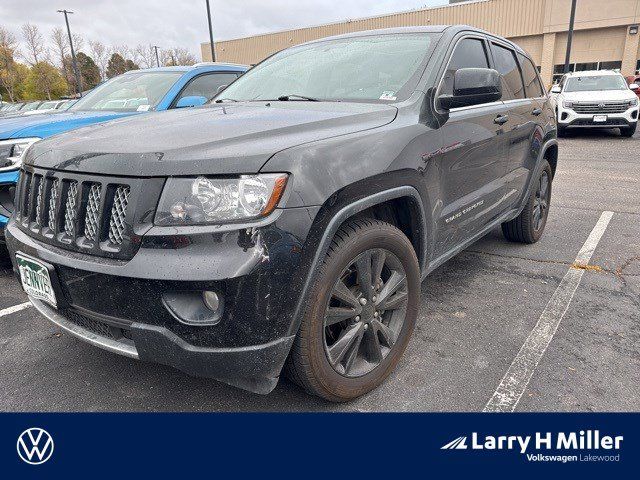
599,99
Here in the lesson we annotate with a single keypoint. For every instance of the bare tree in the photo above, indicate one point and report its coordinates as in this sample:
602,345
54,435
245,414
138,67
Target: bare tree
9,70
145,56
177,56
100,55
123,50
36,50
61,44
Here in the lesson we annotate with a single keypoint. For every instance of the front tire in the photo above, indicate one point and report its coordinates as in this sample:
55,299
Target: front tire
529,226
629,132
361,314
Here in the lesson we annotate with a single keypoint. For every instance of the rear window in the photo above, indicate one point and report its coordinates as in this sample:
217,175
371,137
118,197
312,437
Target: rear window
505,62
530,75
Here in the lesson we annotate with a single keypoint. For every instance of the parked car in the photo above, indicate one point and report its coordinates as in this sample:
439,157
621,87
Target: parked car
11,109
634,80
133,93
595,99
293,220
48,106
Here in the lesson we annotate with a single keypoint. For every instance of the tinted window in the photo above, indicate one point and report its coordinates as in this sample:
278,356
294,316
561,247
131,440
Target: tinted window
530,74
207,85
506,64
469,53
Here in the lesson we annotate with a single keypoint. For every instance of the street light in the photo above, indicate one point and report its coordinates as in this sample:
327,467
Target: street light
155,47
213,53
73,53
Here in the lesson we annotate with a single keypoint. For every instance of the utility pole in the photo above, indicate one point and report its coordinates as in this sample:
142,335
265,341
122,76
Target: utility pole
155,47
213,53
572,21
73,53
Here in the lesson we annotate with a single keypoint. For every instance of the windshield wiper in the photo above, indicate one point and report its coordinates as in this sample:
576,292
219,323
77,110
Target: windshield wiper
286,98
222,100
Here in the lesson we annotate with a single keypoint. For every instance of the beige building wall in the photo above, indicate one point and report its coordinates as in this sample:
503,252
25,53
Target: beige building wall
538,26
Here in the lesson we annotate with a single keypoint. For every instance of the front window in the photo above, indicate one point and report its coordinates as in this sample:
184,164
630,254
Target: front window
139,91
48,105
369,68
596,83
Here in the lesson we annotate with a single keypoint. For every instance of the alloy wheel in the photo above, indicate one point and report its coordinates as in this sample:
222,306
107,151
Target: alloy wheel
541,202
365,313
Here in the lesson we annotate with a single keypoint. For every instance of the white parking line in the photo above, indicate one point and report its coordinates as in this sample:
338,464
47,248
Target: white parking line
14,309
515,381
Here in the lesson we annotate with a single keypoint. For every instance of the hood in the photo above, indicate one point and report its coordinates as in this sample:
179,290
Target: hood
599,95
217,139
52,123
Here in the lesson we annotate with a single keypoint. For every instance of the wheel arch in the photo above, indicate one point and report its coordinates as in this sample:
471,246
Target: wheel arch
379,204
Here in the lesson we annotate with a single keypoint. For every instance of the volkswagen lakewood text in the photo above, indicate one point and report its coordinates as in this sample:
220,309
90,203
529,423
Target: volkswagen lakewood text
286,226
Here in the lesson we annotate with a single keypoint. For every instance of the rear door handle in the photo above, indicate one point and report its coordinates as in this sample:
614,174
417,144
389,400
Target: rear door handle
501,119
536,112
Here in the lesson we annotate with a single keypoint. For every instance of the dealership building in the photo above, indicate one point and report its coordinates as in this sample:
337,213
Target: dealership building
606,32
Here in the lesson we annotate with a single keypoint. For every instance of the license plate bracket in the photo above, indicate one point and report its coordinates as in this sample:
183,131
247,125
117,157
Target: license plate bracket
39,280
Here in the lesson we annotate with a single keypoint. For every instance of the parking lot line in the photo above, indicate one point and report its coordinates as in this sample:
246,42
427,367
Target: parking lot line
14,309
515,381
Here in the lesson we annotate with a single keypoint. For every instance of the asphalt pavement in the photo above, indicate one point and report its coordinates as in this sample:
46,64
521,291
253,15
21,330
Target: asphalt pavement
480,314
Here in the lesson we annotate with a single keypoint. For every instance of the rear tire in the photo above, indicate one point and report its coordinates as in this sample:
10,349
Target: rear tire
628,132
529,226
348,303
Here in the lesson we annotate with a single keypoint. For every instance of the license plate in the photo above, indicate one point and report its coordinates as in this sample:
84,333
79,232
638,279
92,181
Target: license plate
600,118
36,280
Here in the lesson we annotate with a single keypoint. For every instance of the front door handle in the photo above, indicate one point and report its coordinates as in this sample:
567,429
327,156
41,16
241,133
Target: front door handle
501,119
536,112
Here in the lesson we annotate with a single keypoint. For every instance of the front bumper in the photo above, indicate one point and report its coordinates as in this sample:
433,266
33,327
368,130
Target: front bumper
567,118
118,305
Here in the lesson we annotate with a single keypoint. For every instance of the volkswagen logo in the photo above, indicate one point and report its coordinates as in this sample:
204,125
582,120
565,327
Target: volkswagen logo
602,105
35,446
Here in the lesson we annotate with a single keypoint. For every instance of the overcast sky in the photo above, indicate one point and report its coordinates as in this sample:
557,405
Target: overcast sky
183,23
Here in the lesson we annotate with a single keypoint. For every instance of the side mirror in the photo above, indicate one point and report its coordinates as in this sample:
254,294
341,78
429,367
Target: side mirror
191,101
634,86
473,86
556,89
221,89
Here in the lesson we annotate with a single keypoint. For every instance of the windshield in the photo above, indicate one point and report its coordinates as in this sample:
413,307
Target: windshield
360,69
139,91
595,83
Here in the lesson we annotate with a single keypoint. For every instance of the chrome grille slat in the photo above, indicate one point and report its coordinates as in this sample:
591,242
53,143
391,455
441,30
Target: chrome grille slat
53,200
118,215
71,209
93,212
39,201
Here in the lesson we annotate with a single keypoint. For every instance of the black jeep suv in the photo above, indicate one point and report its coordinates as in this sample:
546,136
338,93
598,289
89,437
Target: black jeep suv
289,224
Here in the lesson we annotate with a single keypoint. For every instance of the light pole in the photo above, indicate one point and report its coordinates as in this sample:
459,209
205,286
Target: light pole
213,53
73,53
155,47
572,21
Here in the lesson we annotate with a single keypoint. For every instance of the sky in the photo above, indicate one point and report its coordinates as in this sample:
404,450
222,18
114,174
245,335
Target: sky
183,23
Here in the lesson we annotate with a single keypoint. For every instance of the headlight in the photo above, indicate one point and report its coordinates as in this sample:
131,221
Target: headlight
205,200
634,102
566,104
12,152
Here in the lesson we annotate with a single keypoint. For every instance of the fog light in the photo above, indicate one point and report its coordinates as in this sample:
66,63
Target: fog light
211,300
195,308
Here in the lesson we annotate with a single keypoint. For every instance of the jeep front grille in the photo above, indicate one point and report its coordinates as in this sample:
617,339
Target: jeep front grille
85,213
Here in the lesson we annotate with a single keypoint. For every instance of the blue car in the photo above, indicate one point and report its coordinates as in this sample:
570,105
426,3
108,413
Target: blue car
133,93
